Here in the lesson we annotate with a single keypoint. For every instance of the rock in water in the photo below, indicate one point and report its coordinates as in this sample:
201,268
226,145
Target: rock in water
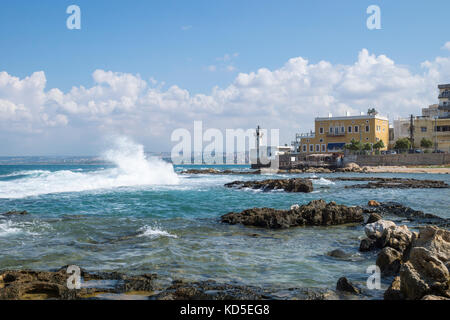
16,213
288,185
315,213
427,270
384,233
373,203
344,285
339,254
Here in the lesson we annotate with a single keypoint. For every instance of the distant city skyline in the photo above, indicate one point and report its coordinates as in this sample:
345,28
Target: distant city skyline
144,69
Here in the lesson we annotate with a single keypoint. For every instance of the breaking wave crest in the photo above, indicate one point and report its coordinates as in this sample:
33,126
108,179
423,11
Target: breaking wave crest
132,168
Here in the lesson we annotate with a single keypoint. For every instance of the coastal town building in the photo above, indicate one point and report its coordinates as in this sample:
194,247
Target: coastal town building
333,133
433,124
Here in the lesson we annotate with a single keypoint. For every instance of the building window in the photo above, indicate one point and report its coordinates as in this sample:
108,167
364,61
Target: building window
423,129
342,129
305,148
367,128
321,130
356,129
321,140
336,130
324,148
317,147
367,139
349,129
331,129
311,148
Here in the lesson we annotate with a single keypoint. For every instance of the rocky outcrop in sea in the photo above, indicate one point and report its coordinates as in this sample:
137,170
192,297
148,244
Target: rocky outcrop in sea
315,213
288,185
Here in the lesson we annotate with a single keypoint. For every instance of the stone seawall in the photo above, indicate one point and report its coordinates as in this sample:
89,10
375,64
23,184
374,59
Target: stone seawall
400,159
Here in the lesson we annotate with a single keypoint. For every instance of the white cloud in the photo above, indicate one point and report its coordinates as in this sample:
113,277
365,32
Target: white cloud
186,28
287,98
446,46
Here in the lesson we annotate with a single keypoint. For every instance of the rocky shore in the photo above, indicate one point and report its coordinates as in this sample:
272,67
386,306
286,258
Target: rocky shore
315,213
288,185
419,261
52,285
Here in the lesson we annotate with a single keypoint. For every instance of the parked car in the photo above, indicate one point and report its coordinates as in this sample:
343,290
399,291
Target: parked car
391,152
438,151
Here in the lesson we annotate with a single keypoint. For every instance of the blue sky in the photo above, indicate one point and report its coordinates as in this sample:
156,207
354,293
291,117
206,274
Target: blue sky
198,45
146,37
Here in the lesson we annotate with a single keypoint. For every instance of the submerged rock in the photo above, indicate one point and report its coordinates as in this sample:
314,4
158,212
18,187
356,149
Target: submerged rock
339,254
315,213
288,185
16,213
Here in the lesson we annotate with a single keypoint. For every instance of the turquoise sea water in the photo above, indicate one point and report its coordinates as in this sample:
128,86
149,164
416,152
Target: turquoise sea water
145,218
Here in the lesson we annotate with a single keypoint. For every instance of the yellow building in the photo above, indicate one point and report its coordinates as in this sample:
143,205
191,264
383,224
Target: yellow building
436,130
333,133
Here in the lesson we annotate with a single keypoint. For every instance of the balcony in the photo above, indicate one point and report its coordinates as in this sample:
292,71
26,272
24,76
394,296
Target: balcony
334,134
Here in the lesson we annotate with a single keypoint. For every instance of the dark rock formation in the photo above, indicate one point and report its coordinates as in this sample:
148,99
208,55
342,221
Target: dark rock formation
209,290
397,209
395,183
315,213
288,185
346,286
339,254
367,245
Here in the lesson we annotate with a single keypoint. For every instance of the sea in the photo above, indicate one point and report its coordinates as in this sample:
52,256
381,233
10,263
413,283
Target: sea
142,215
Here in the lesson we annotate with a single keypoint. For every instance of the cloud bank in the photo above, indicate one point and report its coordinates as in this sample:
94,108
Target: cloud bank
287,98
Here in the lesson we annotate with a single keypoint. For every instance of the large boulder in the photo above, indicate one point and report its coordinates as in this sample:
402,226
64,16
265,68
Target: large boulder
427,270
386,233
389,261
375,230
315,213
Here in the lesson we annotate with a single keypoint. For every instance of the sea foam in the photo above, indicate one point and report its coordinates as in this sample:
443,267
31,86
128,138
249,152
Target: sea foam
132,168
